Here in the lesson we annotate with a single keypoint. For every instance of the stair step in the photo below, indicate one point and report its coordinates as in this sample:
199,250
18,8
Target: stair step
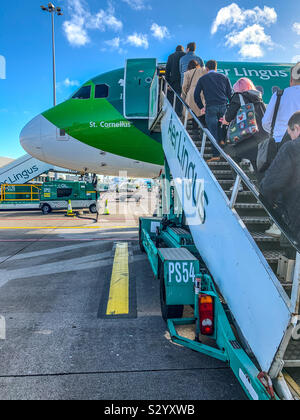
272,256
256,219
199,144
242,194
292,354
263,237
226,181
222,172
249,206
212,164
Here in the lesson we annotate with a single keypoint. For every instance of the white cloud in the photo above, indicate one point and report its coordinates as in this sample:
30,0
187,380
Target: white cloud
233,15
251,51
138,40
75,32
295,59
251,34
115,45
296,28
70,83
82,20
103,20
227,16
137,4
246,28
115,42
67,83
160,32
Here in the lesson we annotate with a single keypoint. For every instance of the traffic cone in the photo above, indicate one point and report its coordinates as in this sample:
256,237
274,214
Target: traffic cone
106,211
70,211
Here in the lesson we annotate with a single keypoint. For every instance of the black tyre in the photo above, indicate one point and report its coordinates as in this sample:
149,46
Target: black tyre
46,209
93,208
168,311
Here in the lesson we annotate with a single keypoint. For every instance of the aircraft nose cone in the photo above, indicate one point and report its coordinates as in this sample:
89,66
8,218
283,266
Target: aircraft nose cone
30,138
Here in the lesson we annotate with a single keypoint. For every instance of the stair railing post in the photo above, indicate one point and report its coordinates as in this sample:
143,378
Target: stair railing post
235,191
165,87
186,114
174,100
203,144
295,296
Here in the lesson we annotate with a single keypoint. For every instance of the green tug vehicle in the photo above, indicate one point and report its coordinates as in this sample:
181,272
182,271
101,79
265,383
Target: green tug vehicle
55,195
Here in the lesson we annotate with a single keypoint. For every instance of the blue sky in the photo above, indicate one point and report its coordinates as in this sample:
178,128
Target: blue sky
94,36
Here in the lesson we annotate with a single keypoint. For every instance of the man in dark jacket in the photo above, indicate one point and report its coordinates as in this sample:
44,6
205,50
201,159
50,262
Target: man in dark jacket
281,183
173,74
217,91
172,69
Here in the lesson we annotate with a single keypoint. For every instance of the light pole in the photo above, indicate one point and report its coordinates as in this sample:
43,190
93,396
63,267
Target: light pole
58,11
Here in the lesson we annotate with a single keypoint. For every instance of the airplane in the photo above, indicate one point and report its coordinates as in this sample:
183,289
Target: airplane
103,127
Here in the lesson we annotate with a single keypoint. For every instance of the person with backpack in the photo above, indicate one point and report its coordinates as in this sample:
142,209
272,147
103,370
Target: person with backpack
282,106
281,184
246,93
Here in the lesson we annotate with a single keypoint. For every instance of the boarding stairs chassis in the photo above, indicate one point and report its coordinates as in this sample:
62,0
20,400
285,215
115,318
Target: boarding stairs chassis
255,219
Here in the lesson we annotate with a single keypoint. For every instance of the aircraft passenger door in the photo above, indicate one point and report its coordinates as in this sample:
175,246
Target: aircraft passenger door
61,135
137,81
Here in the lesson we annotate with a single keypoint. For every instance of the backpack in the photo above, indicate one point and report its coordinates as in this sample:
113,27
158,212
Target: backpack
244,125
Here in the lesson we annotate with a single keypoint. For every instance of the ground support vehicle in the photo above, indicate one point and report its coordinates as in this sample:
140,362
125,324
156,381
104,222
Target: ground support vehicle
57,194
19,196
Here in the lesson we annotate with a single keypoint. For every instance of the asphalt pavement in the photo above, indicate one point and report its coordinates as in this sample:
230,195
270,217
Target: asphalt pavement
58,341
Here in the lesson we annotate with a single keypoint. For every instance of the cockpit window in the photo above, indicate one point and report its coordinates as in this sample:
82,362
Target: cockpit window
83,93
101,91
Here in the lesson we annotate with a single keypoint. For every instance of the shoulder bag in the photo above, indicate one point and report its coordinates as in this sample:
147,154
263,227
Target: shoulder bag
268,148
244,125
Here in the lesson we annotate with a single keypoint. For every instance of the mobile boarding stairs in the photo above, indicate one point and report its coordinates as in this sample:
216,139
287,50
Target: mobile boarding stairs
255,276
25,169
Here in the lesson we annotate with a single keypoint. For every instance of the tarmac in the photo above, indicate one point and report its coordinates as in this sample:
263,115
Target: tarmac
63,334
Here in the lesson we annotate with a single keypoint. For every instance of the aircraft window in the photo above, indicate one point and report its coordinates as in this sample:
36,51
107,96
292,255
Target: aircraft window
83,93
64,192
101,91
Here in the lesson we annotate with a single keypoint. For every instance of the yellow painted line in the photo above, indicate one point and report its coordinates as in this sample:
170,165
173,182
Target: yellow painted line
70,227
118,301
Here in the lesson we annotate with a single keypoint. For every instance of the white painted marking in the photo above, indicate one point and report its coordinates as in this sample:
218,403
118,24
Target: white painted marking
75,264
49,251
